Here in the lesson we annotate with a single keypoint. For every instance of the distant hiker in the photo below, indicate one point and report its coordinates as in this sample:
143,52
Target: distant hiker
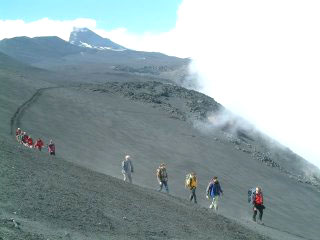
257,202
39,144
30,142
127,169
18,133
162,177
52,148
213,192
19,137
25,139
191,183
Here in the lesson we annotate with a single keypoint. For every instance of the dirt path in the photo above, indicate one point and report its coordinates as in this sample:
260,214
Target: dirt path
15,119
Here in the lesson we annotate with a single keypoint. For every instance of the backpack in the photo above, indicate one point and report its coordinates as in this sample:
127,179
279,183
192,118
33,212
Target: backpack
161,174
188,180
251,191
191,181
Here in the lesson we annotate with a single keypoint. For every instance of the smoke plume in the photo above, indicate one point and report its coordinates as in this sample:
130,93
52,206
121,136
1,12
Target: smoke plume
260,59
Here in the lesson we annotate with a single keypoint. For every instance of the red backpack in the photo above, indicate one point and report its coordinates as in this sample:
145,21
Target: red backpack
258,199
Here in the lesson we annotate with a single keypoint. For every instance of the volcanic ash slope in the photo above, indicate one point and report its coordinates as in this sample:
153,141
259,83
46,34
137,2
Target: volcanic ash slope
96,125
43,198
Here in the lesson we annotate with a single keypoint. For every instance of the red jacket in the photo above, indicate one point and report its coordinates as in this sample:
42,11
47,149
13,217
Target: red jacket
39,144
25,138
30,141
258,200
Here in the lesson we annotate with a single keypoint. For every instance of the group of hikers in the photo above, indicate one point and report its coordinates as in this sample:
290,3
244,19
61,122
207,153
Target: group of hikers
25,139
213,191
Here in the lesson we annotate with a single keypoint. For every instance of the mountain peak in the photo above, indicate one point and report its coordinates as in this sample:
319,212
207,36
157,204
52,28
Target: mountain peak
84,37
75,29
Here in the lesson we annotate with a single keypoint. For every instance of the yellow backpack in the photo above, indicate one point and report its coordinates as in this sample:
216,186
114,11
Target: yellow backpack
191,181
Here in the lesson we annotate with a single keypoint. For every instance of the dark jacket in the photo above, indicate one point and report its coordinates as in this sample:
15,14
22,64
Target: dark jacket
214,189
162,174
52,148
127,166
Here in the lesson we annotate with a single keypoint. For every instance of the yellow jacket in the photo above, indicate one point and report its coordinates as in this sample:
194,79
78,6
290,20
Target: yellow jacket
193,182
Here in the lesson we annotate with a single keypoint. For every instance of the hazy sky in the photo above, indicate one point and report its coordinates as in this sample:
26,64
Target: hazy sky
258,58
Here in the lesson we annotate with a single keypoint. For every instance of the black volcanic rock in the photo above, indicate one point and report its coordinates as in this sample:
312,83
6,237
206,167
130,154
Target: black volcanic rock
84,37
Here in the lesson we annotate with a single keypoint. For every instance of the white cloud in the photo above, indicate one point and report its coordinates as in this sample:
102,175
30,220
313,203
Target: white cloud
167,42
258,58
42,27
261,60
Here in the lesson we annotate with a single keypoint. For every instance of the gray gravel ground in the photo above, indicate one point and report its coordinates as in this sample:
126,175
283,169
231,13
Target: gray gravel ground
54,199
75,195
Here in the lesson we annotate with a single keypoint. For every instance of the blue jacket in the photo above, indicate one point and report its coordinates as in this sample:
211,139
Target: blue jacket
214,189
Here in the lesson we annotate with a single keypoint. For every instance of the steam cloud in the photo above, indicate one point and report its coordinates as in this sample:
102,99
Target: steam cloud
261,60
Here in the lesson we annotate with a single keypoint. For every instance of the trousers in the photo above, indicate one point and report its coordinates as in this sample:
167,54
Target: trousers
193,195
127,177
165,184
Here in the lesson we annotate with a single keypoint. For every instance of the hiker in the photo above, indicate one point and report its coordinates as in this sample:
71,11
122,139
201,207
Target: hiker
20,137
213,192
257,202
25,139
18,134
162,177
30,142
127,169
191,183
39,144
52,148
